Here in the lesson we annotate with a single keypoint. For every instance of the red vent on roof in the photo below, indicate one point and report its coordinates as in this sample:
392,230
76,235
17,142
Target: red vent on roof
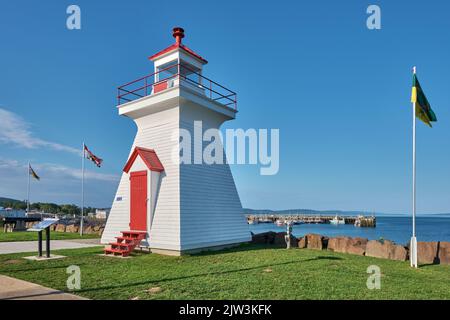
149,157
178,34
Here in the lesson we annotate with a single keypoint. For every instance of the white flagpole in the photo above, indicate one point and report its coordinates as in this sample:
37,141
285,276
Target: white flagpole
413,244
28,188
82,191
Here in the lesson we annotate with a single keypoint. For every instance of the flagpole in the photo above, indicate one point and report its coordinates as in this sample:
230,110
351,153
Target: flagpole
82,191
413,244
28,188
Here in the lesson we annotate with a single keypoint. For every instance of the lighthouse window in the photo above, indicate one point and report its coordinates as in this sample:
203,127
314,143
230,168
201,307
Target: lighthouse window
190,72
167,71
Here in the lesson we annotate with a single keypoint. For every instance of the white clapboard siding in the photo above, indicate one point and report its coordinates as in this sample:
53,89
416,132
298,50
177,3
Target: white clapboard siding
211,211
155,131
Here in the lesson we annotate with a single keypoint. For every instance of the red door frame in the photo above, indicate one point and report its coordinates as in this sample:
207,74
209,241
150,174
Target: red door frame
138,200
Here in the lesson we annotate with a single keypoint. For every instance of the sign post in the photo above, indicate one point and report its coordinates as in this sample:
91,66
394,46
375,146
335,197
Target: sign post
40,227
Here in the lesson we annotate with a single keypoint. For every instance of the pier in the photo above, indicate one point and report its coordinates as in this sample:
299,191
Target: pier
357,221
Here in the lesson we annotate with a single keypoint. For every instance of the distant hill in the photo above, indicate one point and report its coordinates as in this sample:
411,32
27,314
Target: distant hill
307,212
337,212
9,200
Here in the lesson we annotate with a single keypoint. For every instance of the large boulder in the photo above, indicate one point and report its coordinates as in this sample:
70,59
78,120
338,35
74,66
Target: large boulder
60,228
348,245
427,252
386,250
280,240
316,241
100,231
444,252
302,242
88,230
72,228
264,238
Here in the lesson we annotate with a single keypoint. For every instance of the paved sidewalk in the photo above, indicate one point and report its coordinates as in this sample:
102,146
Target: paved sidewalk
15,289
32,246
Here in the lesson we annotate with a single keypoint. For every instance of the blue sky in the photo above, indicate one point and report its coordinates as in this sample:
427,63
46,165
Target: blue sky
338,92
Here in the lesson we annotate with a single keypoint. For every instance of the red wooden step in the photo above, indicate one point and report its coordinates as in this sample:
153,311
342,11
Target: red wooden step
119,244
126,243
126,239
124,253
134,232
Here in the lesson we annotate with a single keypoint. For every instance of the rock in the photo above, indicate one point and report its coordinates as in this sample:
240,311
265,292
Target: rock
263,238
154,290
88,230
427,252
302,242
386,250
348,245
60,228
280,240
72,228
444,252
357,250
356,246
399,253
294,241
333,244
315,241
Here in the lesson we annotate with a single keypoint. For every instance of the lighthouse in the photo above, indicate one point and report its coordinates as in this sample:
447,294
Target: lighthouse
163,202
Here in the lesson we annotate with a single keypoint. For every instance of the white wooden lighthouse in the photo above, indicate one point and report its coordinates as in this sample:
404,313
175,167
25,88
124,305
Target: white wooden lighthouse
173,206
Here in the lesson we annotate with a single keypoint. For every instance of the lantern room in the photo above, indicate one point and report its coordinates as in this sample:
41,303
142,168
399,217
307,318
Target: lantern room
175,66
177,63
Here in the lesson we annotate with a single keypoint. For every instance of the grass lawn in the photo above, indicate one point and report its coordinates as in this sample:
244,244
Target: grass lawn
248,272
29,236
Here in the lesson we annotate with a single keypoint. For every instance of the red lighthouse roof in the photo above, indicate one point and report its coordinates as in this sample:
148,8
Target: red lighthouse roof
149,157
178,34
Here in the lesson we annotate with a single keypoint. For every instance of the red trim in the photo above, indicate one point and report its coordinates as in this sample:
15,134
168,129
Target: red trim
174,47
149,157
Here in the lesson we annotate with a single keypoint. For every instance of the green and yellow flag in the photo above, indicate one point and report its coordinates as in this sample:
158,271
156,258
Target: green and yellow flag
423,108
32,173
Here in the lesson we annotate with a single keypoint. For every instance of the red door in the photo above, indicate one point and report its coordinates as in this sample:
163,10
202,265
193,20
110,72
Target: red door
138,203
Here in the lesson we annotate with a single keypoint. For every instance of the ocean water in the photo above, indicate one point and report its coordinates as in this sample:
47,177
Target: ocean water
395,228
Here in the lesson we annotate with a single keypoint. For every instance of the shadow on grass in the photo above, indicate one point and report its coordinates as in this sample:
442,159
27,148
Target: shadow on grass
259,267
241,248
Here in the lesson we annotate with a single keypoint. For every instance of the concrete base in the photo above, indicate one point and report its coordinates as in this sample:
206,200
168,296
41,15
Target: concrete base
43,258
194,251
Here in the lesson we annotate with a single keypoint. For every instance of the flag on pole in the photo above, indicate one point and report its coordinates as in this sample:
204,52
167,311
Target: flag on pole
89,155
33,173
423,108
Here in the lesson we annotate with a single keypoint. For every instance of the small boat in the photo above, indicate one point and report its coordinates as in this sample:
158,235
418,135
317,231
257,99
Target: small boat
336,220
279,223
